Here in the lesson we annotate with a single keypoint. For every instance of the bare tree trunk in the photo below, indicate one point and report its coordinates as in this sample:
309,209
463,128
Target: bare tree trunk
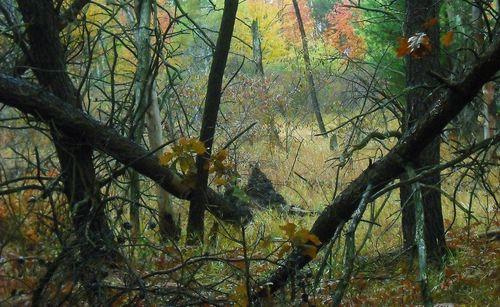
418,102
46,57
489,108
257,46
141,100
197,206
309,73
147,113
167,215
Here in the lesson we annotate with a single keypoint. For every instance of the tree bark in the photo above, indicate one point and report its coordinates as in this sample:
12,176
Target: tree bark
47,59
168,217
148,113
212,101
489,108
257,47
142,99
309,73
418,102
380,173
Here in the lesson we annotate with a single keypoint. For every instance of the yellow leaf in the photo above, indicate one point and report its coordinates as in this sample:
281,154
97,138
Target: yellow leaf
166,158
186,163
219,180
309,250
289,229
198,147
447,38
178,149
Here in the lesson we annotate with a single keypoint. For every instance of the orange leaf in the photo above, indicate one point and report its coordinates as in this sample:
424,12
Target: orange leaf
309,250
266,242
404,47
289,229
183,141
221,155
300,237
240,264
420,45
239,295
430,23
314,239
447,38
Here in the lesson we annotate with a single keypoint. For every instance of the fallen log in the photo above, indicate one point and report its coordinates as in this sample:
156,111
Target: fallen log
46,107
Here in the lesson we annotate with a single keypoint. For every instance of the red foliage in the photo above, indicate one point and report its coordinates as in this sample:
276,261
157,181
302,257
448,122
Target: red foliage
291,26
340,32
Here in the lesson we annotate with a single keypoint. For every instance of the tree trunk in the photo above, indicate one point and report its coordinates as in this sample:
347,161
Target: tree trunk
197,206
418,103
147,113
46,56
257,47
141,100
48,108
489,109
167,215
309,73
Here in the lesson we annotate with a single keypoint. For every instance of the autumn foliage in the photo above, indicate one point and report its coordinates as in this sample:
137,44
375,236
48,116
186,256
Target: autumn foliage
341,33
290,26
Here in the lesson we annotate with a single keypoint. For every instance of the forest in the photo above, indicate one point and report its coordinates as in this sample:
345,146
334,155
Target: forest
249,153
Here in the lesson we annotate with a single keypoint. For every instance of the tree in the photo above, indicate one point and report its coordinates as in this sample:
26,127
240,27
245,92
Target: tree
478,24
309,73
341,34
80,95
147,115
213,97
46,55
418,101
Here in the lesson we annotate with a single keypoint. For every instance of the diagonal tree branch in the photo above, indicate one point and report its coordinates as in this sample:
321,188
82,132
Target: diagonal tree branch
455,98
34,100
